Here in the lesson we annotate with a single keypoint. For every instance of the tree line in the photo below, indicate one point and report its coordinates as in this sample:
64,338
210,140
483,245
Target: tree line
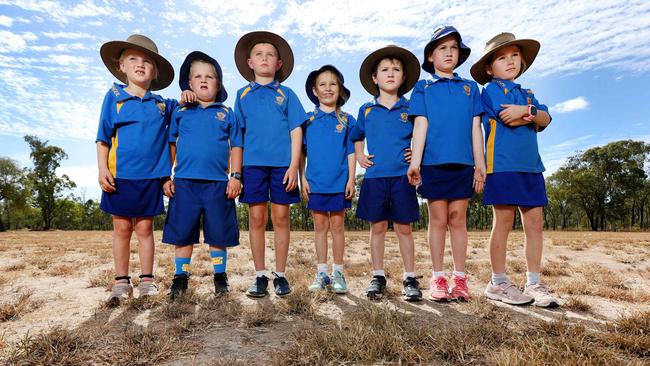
602,188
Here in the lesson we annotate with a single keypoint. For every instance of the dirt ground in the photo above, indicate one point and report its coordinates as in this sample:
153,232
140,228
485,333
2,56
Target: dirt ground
58,282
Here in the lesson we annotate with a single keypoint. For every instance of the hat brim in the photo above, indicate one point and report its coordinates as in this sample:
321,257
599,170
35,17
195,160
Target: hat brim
529,49
111,51
463,55
409,60
184,73
311,79
247,41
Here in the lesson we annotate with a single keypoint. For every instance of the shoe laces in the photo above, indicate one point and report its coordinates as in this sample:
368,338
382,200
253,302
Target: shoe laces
440,282
460,283
412,282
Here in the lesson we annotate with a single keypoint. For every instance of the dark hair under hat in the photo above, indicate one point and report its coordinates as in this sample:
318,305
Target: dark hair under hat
344,93
184,77
438,34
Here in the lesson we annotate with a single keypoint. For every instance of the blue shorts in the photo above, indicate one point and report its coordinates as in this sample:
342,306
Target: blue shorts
515,189
446,181
264,183
391,198
197,199
328,202
134,198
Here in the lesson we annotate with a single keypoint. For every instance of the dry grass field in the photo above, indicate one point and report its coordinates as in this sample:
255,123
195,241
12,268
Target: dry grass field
54,285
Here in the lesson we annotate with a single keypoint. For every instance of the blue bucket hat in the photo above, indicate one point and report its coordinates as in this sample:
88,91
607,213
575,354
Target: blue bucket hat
344,93
438,34
183,78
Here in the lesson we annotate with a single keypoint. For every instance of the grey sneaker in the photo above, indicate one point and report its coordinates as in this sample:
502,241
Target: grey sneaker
338,283
508,293
121,291
542,297
147,288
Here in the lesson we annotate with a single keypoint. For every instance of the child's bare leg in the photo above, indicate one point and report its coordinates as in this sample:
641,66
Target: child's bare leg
146,248
533,222
280,218
504,216
184,251
257,219
406,245
377,237
337,221
122,230
457,219
436,232
321,226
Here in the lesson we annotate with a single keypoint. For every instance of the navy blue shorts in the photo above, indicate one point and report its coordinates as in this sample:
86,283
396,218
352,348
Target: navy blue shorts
515,189
134,198
197,199
264,183
391,198
446,181
328,202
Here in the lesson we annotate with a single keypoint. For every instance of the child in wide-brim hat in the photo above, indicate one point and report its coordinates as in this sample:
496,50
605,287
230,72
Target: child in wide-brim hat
133,156
513,117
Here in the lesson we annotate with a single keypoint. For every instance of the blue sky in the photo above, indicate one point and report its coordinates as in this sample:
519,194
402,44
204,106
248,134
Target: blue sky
592,71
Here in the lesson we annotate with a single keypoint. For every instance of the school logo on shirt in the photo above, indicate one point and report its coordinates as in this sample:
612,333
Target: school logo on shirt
501,84
467,89
340,127
161,106
279,100
530,101
404,117
115,91
220,116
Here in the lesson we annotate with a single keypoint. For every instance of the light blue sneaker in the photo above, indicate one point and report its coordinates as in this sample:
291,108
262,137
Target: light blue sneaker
321,282
338,283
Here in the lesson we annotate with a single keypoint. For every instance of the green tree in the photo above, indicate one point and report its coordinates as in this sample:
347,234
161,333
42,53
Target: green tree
12,188
47,186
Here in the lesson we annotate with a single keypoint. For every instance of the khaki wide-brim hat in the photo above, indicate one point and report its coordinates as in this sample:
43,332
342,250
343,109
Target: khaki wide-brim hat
111,51
529,49
409,60
249,40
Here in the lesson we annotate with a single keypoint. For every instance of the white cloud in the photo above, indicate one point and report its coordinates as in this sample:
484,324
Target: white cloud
82,175
571,105
67,35
13,42
6,21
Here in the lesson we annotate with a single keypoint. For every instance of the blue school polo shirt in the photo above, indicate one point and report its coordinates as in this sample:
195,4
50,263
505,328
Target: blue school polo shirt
327,144
268,114
135,129
388,134
509,149
203,138
449,106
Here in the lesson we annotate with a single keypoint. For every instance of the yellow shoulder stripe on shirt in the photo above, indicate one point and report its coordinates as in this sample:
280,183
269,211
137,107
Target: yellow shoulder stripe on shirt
365,113
281,92
246,90
118,105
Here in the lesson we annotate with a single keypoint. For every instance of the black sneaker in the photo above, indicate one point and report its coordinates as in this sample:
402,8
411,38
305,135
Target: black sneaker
179,285
411,290
377,287
220,283
258,288
281,285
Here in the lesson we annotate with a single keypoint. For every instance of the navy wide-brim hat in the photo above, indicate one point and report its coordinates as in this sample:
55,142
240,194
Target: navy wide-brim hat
344,93
438,34
184,77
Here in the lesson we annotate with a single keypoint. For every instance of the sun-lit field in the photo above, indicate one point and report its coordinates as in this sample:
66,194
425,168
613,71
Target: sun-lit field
54,286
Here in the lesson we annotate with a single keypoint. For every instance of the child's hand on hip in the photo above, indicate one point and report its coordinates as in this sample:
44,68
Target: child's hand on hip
364,160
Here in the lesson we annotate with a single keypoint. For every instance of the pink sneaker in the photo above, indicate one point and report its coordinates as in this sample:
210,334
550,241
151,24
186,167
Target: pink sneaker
439,289
508,293
459,290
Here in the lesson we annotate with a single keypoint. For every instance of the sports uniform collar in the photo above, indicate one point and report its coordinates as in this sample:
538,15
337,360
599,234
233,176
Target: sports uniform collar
434,78
401,102
318,113
274,84
122,95
506,84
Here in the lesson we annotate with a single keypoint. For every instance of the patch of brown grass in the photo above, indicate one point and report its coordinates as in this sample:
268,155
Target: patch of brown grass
62,270
261,314
575,304
15,267
103,278
16,306
555,269
58,347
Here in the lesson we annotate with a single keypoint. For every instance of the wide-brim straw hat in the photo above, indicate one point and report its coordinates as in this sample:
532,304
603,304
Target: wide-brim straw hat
439,34
344,93
409,60
184,76
528,47
249,40
111,51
